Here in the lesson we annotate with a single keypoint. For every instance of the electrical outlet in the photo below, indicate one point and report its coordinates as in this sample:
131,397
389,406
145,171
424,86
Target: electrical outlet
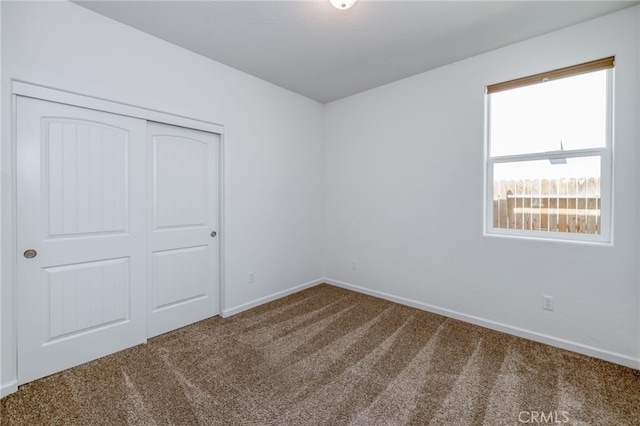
547,303
354,264
252,276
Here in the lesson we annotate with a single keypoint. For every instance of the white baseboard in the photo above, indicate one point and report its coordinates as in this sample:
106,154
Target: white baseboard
493,325
8,388
246,306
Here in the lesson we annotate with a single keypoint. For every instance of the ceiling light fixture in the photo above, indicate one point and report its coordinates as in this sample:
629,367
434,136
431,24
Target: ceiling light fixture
342,4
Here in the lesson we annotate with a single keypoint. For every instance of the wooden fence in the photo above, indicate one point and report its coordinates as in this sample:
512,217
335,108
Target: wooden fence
556,205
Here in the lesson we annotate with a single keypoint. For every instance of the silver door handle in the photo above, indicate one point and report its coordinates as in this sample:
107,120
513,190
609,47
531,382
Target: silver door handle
30,254
213,234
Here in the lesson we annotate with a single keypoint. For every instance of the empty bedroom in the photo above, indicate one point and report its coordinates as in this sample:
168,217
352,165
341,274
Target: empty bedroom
311,212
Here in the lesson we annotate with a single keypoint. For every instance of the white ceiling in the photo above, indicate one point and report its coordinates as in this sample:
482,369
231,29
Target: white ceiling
326,54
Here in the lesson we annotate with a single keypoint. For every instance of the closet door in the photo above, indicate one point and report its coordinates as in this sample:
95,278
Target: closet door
183,219
81,235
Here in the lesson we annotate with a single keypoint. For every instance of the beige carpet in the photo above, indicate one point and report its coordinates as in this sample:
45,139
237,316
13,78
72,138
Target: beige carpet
331,356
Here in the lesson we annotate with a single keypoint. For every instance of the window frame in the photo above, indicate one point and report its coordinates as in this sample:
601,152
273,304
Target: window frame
605,153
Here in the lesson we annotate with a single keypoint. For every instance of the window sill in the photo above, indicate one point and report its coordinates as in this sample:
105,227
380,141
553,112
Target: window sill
551,237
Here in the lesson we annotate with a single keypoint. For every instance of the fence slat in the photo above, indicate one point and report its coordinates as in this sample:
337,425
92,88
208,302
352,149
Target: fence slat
554,205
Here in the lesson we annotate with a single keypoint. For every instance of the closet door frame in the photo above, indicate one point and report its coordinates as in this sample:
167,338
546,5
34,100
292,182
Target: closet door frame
9,231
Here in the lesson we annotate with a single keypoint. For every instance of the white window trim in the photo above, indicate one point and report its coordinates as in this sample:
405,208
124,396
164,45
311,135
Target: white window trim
606,182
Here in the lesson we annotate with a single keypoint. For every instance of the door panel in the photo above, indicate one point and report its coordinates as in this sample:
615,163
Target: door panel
183,256
81,206
187,266
180,166
86,296
85,165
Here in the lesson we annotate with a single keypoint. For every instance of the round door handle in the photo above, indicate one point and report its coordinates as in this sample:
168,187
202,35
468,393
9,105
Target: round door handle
30,254
213,234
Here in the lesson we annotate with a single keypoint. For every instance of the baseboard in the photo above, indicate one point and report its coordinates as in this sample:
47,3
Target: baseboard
275,296
8,388
493,325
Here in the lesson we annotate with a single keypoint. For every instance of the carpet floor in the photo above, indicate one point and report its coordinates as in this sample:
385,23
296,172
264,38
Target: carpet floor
329,356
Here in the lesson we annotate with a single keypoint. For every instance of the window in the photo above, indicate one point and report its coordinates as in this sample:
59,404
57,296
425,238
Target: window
549,154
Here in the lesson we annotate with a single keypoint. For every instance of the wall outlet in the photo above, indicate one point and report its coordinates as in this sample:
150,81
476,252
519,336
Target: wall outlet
547,303
252,276
354,264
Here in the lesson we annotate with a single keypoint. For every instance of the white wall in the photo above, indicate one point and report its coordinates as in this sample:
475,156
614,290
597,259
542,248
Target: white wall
273,140
404,196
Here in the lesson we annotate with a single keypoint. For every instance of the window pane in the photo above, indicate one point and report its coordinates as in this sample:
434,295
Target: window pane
538,118
540,196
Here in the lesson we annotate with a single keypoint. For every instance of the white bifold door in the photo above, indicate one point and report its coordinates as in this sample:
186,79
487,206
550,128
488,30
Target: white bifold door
116,221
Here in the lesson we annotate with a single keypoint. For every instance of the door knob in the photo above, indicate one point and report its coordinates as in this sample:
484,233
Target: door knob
213,234
30,254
